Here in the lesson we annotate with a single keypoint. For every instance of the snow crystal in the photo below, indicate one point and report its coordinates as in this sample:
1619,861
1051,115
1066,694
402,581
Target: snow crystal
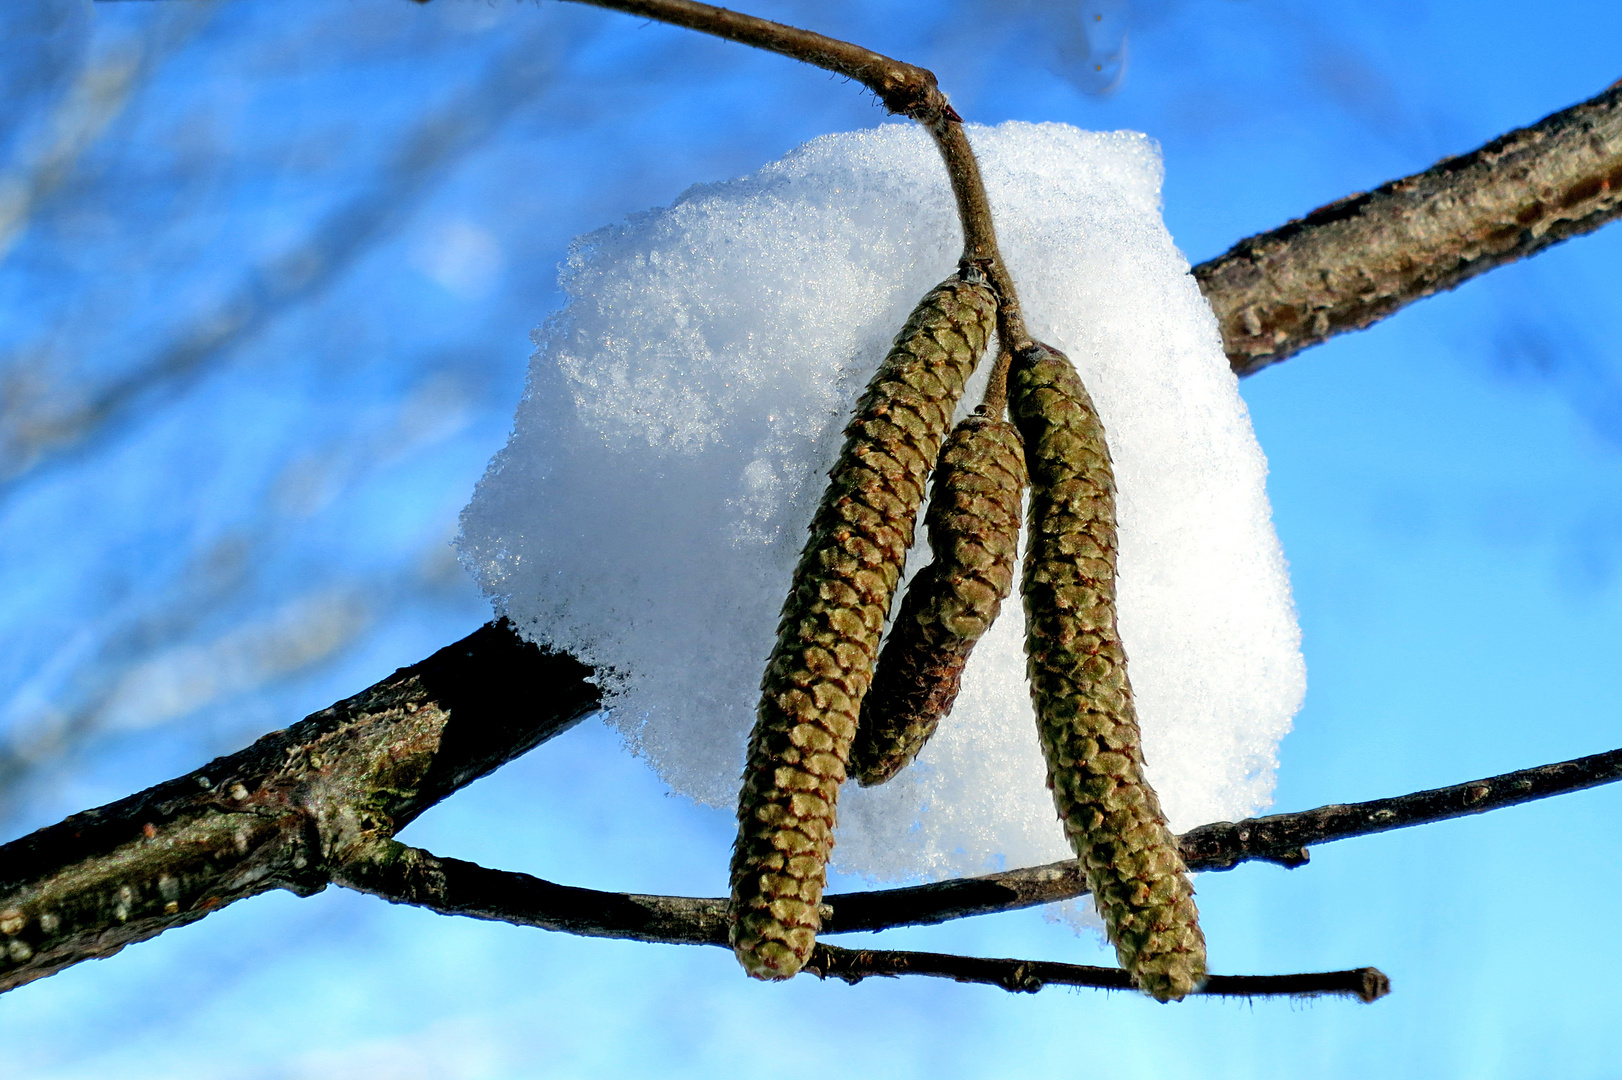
683,409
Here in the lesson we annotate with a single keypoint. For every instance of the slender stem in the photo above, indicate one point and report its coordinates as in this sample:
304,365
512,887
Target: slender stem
1281,839
408,875
405,875
1028,976
905,89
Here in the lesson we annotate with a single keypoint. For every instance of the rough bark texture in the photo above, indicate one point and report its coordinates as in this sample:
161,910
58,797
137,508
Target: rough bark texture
284,811
1079,683
1363,257
973,523
828,637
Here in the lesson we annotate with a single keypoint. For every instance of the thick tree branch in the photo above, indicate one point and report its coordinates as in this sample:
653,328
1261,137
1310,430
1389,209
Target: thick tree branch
1357,260
321,801
1028,976
280,812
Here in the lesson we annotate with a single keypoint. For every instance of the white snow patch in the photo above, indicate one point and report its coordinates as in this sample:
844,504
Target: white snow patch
685,404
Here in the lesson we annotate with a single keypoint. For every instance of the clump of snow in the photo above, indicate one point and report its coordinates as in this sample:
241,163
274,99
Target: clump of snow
683,409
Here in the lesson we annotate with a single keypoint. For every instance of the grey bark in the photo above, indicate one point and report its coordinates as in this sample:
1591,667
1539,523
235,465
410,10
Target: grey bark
283,812
1352,263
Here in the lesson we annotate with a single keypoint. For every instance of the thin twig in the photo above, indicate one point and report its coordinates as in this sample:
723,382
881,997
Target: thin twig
407,875
1028,976
1278,838
905,89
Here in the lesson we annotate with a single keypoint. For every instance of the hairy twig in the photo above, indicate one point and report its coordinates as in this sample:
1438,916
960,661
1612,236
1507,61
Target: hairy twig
1364,257
1028,976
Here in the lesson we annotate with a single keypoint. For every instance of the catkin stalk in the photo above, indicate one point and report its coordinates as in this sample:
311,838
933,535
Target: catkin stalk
973,522
828,636
1088,725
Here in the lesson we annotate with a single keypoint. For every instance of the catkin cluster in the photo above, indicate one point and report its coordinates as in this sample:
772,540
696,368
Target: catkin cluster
828,635
973,522
1088,727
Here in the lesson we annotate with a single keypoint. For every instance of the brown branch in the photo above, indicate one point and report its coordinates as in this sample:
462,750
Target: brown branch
1222,845
1028,976
321,801
400,874
1364,257
277,814
905,89
406,875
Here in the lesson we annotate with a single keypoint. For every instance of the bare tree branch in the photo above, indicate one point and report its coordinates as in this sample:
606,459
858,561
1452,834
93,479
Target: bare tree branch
321,801
402,874
1350,264
281,812
1028,976
905,89
406,875
1345,266
1222,845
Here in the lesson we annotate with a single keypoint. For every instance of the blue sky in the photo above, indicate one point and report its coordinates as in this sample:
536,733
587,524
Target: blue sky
233,541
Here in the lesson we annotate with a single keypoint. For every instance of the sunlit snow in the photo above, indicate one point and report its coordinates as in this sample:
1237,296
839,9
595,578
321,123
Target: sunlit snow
683,408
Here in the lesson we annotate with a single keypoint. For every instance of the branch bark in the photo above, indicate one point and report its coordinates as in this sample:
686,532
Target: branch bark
1028,976
279,813
905,89
320,802
1350,264
406,875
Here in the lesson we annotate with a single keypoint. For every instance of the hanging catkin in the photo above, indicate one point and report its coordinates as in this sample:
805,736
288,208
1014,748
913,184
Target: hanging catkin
973,521
1077,667
829,631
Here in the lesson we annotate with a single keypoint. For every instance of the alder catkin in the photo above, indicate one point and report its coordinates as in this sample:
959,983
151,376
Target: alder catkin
973,522
828,635
1088,726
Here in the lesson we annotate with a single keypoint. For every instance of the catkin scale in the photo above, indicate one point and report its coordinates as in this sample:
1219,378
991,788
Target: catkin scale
973,523
1077,667
828,634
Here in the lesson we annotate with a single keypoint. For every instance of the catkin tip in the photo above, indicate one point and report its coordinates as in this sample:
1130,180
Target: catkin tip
1079,686
828,635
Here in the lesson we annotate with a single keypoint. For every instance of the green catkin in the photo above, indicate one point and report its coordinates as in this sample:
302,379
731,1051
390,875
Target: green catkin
1088,726
828,635
973,522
